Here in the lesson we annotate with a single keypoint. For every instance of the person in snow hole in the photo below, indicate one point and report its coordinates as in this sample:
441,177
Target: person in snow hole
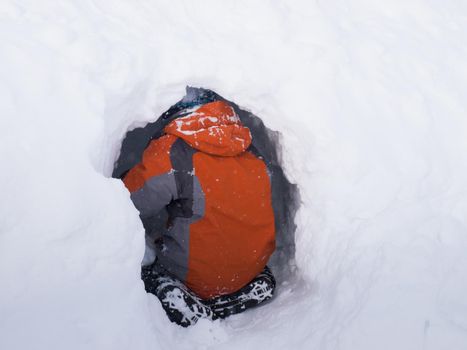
207,200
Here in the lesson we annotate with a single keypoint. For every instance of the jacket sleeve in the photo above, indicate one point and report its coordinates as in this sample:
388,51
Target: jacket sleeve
152,181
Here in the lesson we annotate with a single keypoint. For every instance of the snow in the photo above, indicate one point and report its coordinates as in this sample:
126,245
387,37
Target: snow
370,100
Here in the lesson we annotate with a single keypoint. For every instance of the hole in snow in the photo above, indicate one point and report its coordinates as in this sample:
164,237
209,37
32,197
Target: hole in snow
267,144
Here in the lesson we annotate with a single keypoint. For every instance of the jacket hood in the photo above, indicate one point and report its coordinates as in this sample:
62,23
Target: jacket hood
212,128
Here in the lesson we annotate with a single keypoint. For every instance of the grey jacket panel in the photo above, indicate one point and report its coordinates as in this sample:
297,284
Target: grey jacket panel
156,193
169,204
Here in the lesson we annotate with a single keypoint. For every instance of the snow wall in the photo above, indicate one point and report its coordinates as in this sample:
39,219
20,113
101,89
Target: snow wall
369,98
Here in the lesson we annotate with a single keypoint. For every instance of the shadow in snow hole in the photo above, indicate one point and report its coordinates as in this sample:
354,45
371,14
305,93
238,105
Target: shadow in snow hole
265,144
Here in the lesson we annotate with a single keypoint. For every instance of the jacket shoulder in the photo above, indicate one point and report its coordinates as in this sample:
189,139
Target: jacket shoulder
155,161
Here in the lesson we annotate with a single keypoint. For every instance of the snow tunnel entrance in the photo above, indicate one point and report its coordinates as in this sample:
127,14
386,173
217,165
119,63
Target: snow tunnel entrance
265,145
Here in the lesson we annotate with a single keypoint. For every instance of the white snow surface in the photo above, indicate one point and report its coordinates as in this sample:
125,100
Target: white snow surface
371,101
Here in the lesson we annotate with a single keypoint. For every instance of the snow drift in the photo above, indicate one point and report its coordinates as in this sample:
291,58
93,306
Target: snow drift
369,100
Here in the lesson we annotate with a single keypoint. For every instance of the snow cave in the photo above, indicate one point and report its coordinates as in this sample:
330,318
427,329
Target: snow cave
265,142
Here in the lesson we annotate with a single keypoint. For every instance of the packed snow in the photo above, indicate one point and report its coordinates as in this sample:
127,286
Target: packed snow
370,100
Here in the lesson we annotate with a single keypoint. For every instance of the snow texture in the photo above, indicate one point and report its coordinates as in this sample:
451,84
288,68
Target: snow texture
370,99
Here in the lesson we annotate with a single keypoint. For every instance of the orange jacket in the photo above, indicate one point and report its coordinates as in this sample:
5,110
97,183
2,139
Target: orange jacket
216,196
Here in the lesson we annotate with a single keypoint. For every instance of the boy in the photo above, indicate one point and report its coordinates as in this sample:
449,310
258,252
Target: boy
205,200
